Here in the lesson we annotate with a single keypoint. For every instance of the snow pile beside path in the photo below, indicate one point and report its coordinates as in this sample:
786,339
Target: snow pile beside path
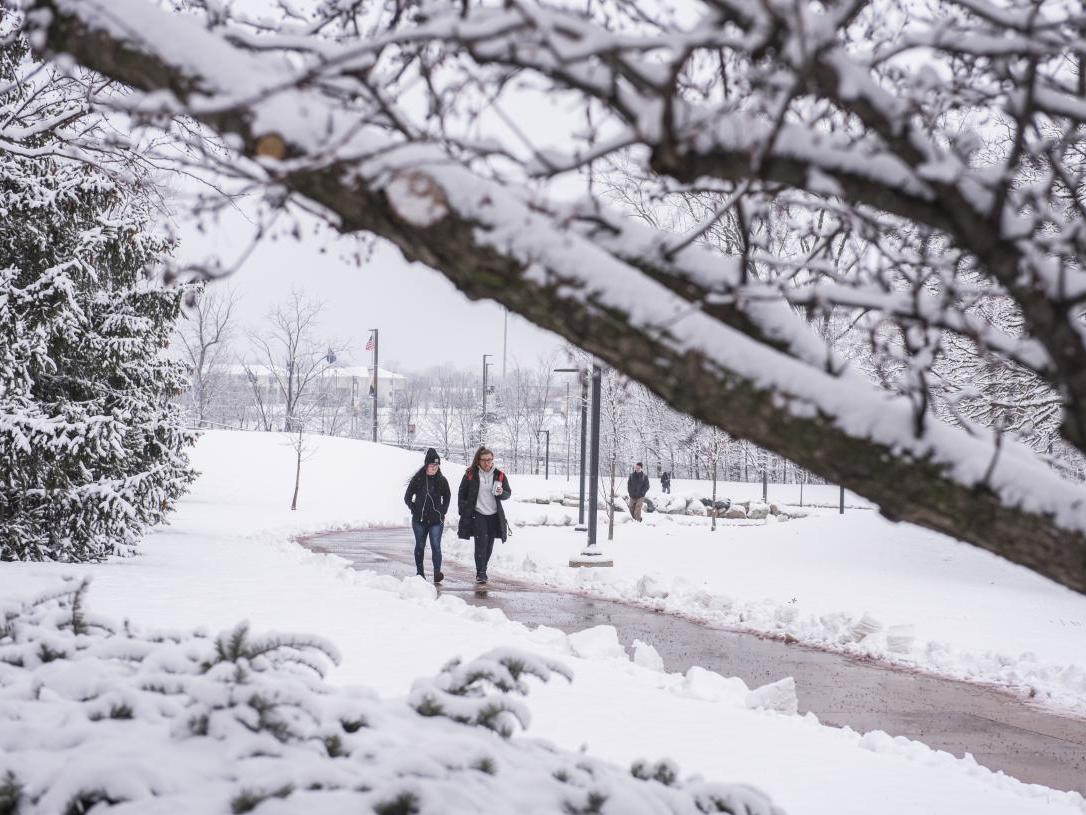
96,715
928,603
779,696
209,569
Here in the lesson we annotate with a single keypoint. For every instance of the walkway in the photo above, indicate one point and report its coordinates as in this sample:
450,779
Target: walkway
999,730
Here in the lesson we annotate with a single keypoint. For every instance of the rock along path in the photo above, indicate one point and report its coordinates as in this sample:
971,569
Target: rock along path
1001,731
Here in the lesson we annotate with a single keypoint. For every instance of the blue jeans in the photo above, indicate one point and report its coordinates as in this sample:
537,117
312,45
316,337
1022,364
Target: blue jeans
421,531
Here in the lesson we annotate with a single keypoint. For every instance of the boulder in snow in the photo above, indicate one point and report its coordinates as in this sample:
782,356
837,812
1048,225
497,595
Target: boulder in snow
758,511
735,512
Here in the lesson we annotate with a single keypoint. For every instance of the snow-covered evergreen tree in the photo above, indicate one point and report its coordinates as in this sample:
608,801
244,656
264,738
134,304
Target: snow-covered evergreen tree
91,451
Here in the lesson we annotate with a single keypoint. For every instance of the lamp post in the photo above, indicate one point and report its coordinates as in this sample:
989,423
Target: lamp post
584,438
547,457
594,465
482,426
375,381
591,555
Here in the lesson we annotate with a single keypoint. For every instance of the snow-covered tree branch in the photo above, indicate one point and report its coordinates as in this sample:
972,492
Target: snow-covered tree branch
887,165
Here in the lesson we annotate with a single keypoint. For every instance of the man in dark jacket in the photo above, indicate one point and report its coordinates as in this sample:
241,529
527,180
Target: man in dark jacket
638,487
665,481
428,497
482,516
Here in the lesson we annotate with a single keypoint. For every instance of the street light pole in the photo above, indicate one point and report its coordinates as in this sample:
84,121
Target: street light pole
594,466
584,443
584,439
375,384
482,425
547,457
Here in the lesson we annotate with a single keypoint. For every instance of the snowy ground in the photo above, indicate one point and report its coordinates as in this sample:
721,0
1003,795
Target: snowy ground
943,606
228,556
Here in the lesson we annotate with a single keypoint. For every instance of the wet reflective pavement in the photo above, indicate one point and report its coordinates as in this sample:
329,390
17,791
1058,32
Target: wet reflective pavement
1000,730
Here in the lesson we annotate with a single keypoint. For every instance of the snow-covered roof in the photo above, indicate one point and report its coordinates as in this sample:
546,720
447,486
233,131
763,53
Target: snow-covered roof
361,371
336,371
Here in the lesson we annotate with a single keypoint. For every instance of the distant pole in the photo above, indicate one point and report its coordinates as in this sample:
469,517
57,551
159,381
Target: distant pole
583,374
841,510
482,426
594,477
584,441
547,458
375,380
505,342
765,485
567,431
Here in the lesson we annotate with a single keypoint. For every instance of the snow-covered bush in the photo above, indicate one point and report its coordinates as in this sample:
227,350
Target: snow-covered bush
95,716
91,451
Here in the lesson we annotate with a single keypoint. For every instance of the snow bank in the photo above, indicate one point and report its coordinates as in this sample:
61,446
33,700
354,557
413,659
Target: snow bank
852,583
93,713
228,555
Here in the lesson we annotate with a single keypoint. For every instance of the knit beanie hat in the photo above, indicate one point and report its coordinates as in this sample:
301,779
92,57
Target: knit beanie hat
432,457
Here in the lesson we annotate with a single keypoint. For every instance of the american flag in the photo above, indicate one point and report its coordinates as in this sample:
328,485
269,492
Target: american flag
369,342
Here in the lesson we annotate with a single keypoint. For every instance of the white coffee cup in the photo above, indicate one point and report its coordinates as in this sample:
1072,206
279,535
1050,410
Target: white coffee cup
498,488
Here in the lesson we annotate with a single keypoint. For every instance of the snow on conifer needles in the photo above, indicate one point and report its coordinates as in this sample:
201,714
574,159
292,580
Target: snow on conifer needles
94,714
91,450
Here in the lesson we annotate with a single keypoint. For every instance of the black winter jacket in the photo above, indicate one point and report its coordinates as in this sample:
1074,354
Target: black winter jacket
428,497
469,495
638,485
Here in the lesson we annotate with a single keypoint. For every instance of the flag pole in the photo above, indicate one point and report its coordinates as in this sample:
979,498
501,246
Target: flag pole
374,383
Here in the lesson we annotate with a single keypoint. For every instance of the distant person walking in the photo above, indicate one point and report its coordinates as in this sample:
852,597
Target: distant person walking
637,486
482,490
665,482
428,497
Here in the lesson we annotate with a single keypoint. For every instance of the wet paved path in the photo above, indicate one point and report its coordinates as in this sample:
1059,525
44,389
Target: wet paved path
1002,732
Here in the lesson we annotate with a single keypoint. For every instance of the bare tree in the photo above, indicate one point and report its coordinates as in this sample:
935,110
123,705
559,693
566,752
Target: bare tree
837,197
303,448
514,398
204,336
614,437
537,404
450,388
292,357
713,441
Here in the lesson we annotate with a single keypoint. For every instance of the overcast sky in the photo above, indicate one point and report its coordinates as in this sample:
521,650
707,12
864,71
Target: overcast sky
422,318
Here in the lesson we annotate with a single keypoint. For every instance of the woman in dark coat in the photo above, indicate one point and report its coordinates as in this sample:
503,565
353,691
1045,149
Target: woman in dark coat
482,516
428,497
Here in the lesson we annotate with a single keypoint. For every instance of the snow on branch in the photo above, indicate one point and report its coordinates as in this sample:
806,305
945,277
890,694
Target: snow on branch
867,186
98,715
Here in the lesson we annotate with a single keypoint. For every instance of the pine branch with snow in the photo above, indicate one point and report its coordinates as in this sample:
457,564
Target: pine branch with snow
95,714
91,448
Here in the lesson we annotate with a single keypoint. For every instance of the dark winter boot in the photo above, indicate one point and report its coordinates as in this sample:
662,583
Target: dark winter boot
421,574
439,577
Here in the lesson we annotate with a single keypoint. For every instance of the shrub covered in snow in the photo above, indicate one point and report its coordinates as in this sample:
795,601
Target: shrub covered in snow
96,716
92,449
